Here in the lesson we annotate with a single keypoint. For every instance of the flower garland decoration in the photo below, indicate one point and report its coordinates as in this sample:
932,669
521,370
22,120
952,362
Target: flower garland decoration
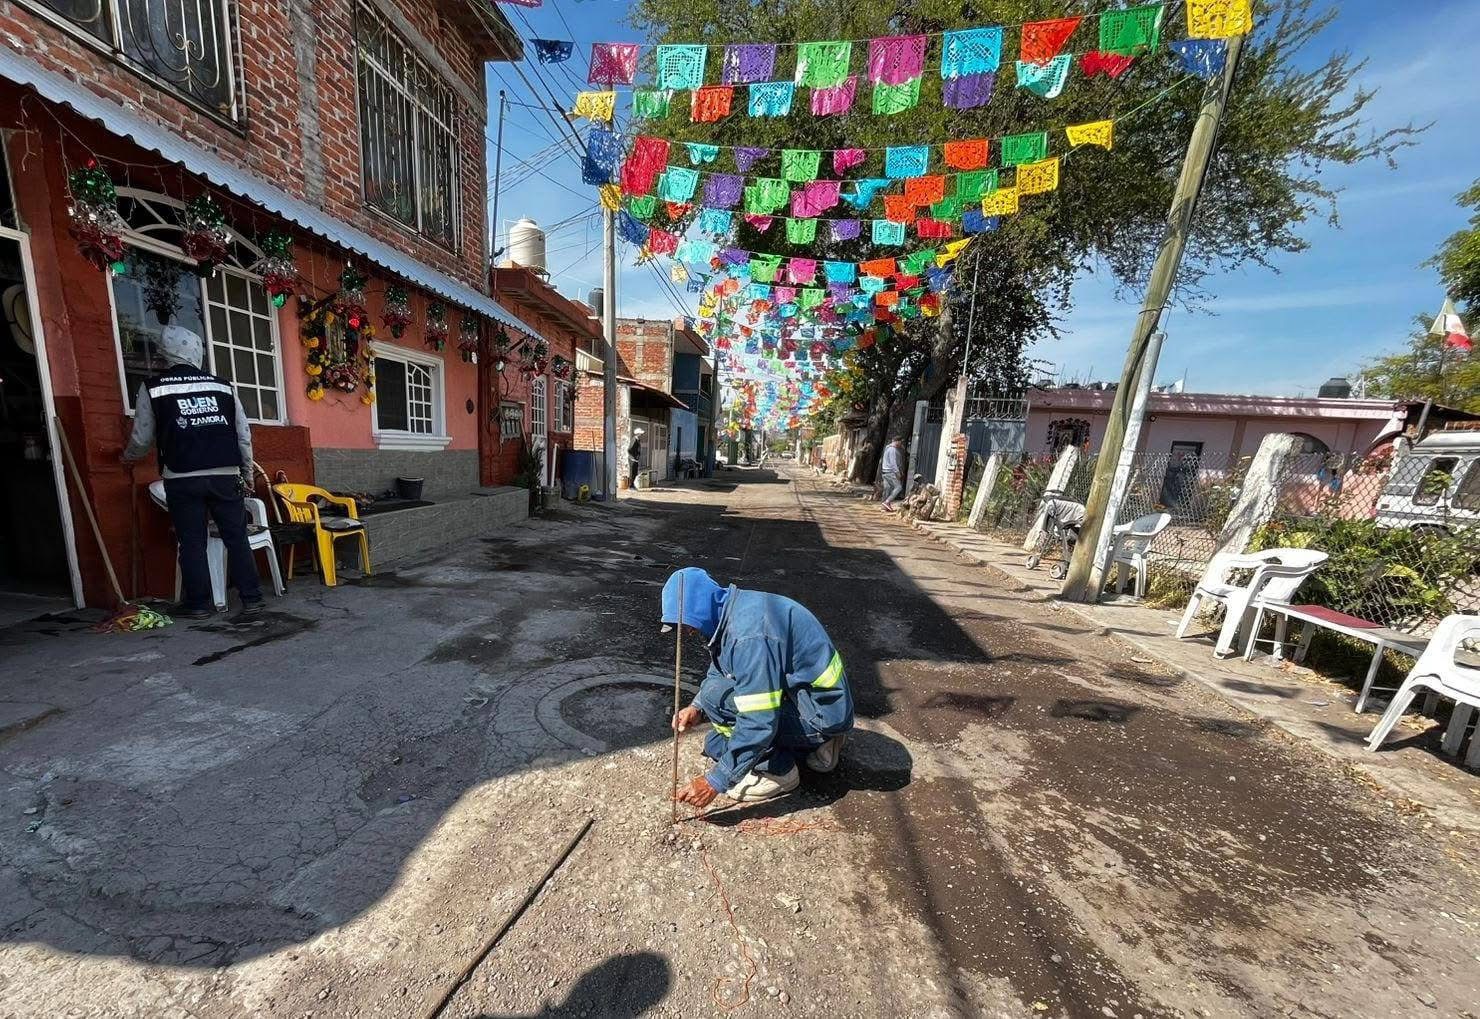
437,328
276,267
397,314
207,238
349,303
96,225
467,336
160,282
534,358
337,351
561,368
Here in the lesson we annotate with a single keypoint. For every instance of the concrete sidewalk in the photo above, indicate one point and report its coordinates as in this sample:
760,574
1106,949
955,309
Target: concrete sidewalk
1299,701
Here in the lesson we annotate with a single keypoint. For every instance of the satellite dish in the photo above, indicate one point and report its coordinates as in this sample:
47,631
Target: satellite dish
17,310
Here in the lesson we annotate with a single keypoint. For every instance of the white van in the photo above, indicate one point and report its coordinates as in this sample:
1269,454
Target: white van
1435,483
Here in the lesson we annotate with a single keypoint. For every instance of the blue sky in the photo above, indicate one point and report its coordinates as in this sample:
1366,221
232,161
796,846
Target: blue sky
1347,298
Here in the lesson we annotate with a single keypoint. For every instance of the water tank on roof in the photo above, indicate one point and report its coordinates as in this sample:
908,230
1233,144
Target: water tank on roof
596,299
1335,387
527,245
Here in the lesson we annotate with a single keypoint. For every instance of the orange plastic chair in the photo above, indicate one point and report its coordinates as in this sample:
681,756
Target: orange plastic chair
297,500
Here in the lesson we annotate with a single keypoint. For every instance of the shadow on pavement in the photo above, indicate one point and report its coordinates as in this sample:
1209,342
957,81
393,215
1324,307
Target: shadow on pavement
624,985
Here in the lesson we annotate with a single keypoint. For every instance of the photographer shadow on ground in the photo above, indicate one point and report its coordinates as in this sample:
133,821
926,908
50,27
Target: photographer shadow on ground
622,986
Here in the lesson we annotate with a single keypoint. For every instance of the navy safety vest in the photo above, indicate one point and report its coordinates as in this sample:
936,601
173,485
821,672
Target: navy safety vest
194,420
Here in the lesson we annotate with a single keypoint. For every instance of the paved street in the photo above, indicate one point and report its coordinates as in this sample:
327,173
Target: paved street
328,811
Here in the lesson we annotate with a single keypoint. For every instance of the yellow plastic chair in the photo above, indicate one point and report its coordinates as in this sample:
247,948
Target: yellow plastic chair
298,501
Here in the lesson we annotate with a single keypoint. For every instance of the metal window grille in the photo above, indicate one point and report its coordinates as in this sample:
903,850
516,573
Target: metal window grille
408,133
185,45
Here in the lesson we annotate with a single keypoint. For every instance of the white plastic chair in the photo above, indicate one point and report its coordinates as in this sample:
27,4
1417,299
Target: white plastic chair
258,537
1278,574
1131,543
1438,671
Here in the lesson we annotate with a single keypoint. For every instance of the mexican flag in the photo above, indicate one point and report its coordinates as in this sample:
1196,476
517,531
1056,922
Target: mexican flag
1450,326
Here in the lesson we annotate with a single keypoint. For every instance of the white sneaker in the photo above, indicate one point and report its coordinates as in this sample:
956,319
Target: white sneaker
759,786
825,758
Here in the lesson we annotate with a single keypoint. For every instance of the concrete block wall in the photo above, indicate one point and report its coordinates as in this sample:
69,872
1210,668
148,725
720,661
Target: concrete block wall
449,473
395,536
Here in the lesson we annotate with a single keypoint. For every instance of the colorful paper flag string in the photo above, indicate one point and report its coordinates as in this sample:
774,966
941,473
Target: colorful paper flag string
1046,79
1219,19
613,63
1042,40
553,51
1098,132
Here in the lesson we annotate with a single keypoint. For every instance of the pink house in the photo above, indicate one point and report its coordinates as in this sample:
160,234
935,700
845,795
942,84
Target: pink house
1213,423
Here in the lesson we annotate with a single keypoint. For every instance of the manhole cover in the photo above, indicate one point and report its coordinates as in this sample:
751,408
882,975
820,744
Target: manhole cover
620,713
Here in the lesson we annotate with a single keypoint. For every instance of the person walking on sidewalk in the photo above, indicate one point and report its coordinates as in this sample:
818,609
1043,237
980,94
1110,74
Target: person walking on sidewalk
891,472
205,458
776,689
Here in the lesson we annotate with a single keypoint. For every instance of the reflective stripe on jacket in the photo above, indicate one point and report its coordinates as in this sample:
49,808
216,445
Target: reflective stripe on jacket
769,650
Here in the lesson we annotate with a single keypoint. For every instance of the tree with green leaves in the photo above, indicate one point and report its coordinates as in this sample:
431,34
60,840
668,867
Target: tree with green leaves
1459,259
1427,369
1288,119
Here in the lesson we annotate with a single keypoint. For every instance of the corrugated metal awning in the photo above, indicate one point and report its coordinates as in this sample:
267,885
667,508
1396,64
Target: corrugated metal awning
126,124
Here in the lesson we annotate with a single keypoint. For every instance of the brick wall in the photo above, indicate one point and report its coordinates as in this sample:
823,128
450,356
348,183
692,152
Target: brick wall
645,352
956,476
298,123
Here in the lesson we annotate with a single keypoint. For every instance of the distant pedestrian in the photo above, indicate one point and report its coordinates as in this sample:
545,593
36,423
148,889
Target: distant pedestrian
634,455
205,458
892,472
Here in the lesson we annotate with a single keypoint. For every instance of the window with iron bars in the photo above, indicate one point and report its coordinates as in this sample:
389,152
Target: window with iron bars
185,45
408,132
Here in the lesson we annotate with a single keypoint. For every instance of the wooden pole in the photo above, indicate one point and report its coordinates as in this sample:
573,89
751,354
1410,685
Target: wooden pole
1079,585
677,672
92,517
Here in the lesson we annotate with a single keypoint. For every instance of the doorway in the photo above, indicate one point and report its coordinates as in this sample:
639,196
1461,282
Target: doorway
1179,485
33,546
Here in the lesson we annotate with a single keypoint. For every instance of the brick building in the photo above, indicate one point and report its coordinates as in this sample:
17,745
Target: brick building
537,405
353,129
665,378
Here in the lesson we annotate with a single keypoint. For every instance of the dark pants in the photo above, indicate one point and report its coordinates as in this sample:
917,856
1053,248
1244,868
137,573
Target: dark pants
190,501
794,739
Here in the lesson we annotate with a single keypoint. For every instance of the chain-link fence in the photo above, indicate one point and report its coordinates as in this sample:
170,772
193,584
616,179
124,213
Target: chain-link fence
1402,533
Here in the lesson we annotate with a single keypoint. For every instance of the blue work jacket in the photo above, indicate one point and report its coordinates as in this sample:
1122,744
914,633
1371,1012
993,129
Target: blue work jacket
772,660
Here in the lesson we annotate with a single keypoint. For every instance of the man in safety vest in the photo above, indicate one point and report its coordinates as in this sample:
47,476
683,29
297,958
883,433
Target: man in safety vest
205,458
776,689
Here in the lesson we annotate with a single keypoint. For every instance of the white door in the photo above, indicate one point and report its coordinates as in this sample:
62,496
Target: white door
539,423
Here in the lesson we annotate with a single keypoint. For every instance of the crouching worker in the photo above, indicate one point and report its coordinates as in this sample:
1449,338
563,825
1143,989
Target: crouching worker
776,690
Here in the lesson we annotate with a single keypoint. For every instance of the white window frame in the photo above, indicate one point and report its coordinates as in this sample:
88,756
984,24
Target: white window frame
152,239
539,407
394,438
565,411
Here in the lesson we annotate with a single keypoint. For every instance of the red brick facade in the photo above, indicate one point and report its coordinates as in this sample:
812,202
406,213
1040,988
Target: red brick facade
284,93
298,129
567,326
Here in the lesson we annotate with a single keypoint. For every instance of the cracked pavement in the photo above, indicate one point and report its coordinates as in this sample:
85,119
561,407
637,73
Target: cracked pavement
328,809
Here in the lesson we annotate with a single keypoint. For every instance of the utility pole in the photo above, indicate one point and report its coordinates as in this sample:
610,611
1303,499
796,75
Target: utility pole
609,349
498,167
1105,496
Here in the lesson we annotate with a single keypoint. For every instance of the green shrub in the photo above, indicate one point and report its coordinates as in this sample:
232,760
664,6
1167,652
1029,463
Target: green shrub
1392,576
